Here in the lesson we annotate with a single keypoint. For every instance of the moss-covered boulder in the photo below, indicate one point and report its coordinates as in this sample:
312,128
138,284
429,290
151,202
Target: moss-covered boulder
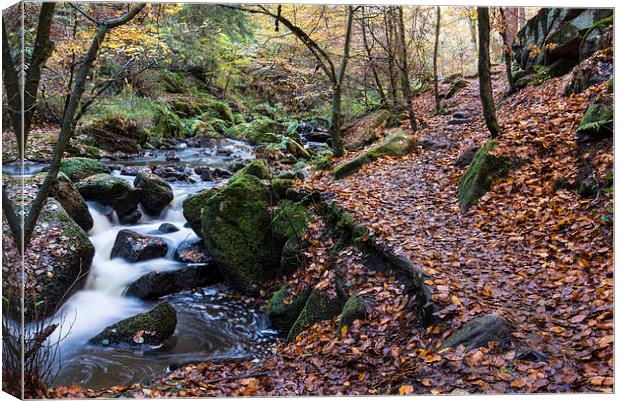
320,306
147,329
156,193
56,263
257,168
237,234
74,204
477,179
289,224
112,191
479,332
193,206
116,133
598,120
354,309
78,168
397,144
456,87
284,308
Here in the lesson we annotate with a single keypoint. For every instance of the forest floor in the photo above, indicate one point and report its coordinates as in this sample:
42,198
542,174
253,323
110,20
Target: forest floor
538,255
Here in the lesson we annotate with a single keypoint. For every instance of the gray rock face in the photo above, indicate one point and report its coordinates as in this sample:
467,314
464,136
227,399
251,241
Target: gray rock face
135,247
554,34
74,204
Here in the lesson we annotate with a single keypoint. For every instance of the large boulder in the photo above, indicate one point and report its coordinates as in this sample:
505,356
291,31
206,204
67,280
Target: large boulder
156,193
157,284
256,129
56,261
554,34
479,332
289,224
257,168
600,36
74,204
192,208
598,121
597,69
135,247
397,144
147,329
481,173
78,168
237,233
112,191
353,309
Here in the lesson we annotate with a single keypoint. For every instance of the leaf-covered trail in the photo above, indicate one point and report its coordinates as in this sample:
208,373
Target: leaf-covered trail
541,258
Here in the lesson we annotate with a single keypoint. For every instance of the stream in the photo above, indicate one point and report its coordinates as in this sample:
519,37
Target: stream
212,323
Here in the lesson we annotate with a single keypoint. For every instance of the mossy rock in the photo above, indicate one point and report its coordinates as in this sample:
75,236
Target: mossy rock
280,185
193,206
319,307
354,308
284,314
397,144
116,133
151,328
112,191
61,272
289,224
257,168
68,196
237,234
322,163
254,138
479,332
481,173
77,168
598,120
456,86
175,82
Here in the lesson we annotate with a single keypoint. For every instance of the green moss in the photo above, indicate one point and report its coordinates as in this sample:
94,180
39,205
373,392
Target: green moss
257,168
353,309
193,206
397,144
160,323
93,152
77,168
259,125
290,221
175,82
322,163
280,185
319,307
480,174
169,124
282,314
456,86
237,234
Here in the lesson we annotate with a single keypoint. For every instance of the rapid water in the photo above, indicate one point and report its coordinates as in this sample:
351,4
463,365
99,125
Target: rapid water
211,324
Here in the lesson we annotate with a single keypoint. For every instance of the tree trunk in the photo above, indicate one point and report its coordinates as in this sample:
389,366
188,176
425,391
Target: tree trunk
389,38
12,87
508,34
435,75
521,17
471,19
373,67
336,104
484,73
404,71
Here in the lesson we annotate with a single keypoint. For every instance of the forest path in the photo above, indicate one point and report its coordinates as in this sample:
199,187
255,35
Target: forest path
538,257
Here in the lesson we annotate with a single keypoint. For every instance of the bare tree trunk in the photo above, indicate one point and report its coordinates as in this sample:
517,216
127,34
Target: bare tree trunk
389,37
521,17
404,71
373,67
336,126
40,52
435,75
508,34
484,72
471,19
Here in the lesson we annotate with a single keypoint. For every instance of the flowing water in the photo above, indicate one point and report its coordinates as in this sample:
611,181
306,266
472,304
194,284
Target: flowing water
212,323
